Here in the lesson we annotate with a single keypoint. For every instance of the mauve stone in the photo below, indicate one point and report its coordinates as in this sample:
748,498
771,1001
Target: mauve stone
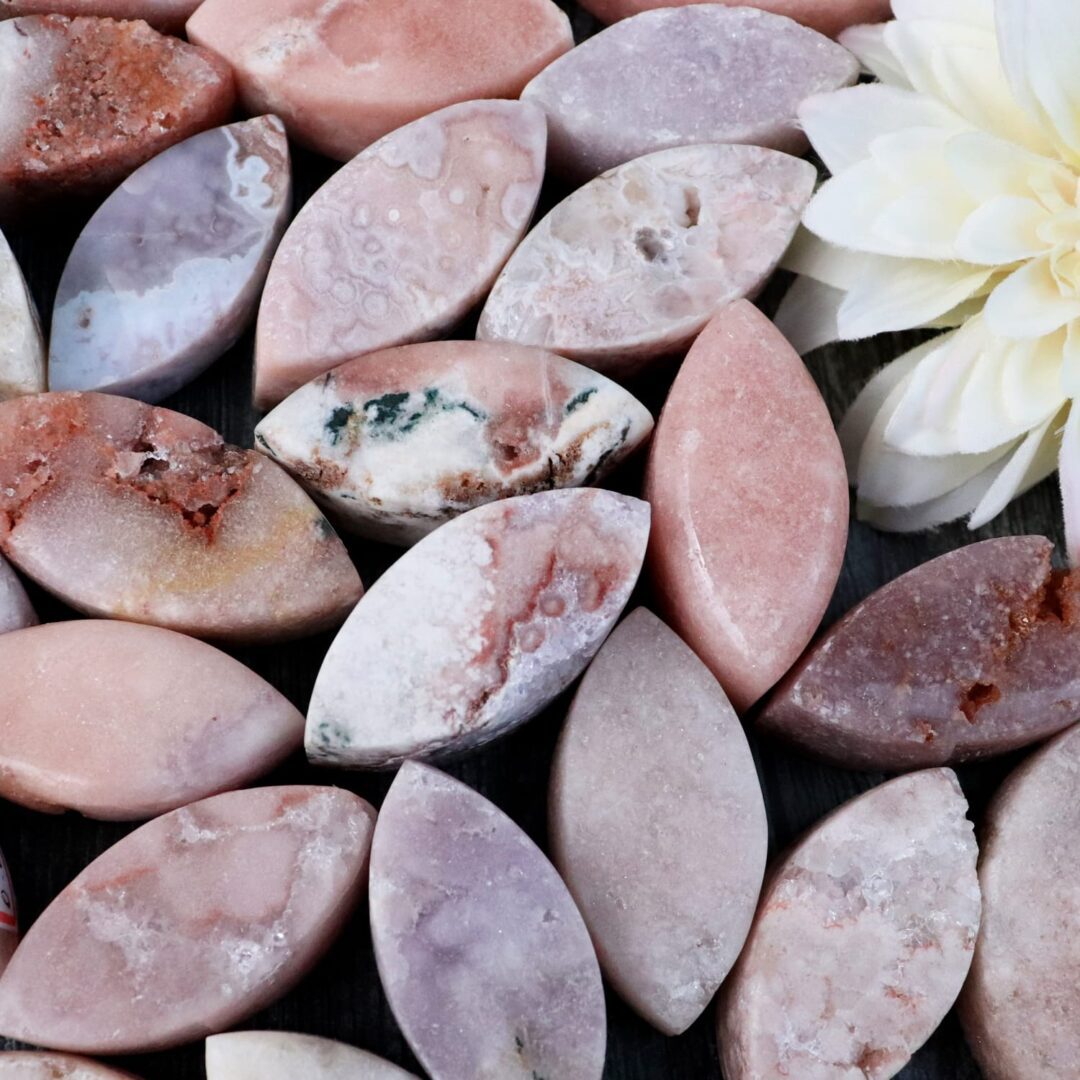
750,503
343,75
498,612
9,917
191,923
276,1055
634,264
167,16
657,822
398,442
862,941
826,16
401,243
485,961
680,76
22,352
133,512
1021,1005
971,654
85,101
27,1065
167,274
16,611
182,719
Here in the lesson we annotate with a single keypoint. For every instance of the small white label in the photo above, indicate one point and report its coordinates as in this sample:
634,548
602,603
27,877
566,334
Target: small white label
8,920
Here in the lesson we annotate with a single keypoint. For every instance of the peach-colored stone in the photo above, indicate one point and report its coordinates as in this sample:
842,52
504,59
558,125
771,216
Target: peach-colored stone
16,611
9,916
167,16
343,74
28,1065
399,244
750,503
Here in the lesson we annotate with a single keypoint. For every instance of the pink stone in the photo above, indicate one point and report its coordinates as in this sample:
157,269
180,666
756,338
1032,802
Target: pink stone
191,923
680,76
343,75
9,917
634,264
123,721
477,628
401,243
1021,1004
167,16
826,16
657,822
972,654
85,101
750,503
485,961
16,611
43,1066
862,941
139,513
275,1055
22,350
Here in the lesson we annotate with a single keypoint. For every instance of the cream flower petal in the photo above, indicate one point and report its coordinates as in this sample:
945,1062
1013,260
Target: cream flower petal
813,257
807,314
989,167
1032,383
868,45
1001,231
978,13
1069,478
1031,463
1029,303
925,222
1068,372
844,209
914,42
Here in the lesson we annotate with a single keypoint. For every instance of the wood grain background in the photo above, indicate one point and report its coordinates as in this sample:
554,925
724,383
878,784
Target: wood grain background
342,999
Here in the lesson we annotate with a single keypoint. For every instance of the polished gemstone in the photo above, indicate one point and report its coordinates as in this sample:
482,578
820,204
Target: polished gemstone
29,1065
16,611
168,16
276,1055
22,352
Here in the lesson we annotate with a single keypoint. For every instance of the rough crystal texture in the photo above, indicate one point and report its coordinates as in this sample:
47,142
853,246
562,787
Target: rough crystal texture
133,512
972,654
1021,1005
401,243
191,923
183,720
485,960
276,1055
477,628
16,611
342,75
167,16
862,941
167,274
633,265
399,442
27,1065
826,16
85,101
9,917
657,822
680,76
22,352
750,503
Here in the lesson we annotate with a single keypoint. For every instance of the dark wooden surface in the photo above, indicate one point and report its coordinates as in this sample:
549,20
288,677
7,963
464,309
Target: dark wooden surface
342,998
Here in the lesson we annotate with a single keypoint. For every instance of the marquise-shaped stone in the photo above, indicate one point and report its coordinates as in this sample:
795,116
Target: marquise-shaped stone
185,720
750,501
30,1065
16,611
85,101
657,822
401,243
502,608
168,16
9,916
485,961
191,923
22,352
277,1055
401,441
971,654
862,942
1021,1004
167,274
343,75
133,512
624,93
634,264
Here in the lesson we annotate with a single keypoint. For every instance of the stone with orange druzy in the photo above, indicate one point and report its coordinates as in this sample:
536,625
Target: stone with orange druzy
128,511
85,101
168,16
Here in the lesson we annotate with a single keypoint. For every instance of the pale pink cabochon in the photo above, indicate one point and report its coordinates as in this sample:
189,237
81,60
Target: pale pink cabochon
33,1065
278,1055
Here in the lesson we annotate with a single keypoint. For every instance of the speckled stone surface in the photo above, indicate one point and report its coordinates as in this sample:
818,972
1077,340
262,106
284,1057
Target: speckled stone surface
345,73
485,960
971,654
9,917
191,923
634,264
1021,1006
750,503
22,351
167,274
502,609
680,76
85,101
133,512
27,1065
657,821
168,16
862,941
395,443
16,611
123,721
277,1055
401,243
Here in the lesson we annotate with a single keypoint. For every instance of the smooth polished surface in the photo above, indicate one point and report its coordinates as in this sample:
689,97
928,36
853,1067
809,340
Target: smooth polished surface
22,351
16,611
277,1055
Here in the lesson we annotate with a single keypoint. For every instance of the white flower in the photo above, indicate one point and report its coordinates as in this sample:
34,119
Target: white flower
954,202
